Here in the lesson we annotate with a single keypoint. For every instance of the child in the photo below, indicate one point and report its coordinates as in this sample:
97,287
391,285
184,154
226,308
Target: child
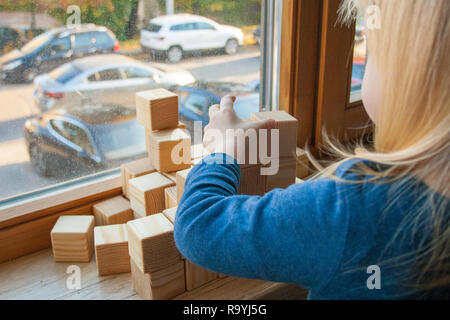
376,224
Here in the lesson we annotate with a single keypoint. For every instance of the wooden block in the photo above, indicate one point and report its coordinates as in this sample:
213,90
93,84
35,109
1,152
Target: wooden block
170,195
133,170
111,249
115,210
170,150
298,181
171,175
197,276
252,182
160,285
157,109
147,193
287,125
221,276
181,179
302,164
72,239
151,244
285,176
171,214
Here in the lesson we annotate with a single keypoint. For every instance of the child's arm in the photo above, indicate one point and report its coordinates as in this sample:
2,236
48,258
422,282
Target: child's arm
293,235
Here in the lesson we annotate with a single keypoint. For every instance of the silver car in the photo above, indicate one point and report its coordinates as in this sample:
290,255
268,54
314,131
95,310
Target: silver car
111,78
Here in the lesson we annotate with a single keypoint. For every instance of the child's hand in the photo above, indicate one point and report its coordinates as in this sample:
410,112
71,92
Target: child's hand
222,118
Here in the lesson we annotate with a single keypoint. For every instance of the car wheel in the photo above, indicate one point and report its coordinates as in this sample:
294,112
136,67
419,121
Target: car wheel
30,74
39,161
232,46
174,54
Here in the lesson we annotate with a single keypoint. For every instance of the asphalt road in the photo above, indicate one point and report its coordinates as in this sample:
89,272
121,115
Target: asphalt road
16,106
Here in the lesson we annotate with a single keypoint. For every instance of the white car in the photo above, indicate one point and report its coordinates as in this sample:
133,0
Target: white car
174,34
103,79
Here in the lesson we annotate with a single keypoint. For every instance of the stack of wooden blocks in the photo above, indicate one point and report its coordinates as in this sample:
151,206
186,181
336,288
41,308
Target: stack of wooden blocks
134,232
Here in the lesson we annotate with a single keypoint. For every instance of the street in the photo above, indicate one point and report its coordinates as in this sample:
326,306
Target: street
16,105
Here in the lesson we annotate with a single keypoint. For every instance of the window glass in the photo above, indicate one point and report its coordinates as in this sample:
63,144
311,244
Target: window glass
65,73
183,27
73,133
196,103
204,26
135,72
200,69
102,39
359,61
109,74
83,40
152,27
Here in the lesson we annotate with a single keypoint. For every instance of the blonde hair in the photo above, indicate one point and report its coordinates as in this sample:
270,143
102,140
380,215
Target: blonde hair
412,133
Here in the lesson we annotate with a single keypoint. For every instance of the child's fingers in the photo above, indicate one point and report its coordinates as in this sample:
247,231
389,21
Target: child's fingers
262,124
227,102
213,109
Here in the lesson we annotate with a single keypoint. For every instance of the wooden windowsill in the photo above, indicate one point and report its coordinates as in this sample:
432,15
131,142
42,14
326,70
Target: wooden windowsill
38,276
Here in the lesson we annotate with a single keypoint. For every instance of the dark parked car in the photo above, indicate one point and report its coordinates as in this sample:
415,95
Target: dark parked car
83,139
10,38
195,100
54,48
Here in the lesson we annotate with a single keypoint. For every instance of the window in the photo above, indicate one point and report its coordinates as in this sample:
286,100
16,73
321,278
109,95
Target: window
83,41
183,27
73,133
109,74
35,104
65,73
135,72
196,103
58,46
359,61
204,26
153,27
102,40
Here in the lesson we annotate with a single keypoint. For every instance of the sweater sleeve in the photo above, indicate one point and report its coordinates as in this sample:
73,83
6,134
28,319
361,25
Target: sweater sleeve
294,235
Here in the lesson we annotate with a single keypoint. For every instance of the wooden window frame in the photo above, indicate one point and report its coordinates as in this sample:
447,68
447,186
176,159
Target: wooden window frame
313,87
316,69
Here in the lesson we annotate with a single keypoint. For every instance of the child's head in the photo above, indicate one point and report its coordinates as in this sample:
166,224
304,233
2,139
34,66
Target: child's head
406,93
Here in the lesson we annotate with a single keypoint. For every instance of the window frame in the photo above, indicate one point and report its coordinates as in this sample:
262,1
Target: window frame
302,88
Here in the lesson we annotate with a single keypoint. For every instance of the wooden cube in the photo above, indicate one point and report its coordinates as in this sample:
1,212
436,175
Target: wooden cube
73,239
164,284
147,193
252,182
181,179
171,214
111,249
170,150
171,175
302,164
170,197
197,276
116,210
133,170
157,109
151,243
287,125
285,176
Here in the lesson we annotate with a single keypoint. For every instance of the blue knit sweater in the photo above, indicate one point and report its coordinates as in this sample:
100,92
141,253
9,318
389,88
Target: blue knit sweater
325,235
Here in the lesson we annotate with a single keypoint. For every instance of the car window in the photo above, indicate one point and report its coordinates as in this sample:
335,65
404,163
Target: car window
59,45
83,40
136,72
65,73
109,74
196,103
152,27
101,39
183,27
204,26
37,42
73,133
